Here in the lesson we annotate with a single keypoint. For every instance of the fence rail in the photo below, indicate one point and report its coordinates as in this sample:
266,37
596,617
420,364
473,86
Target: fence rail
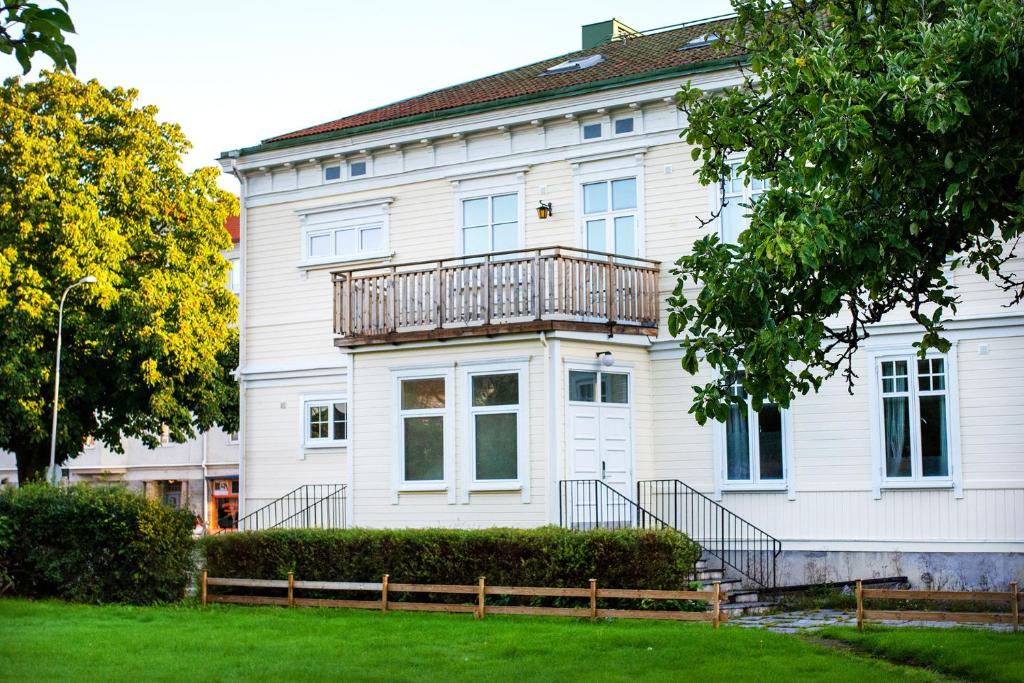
480,591
497,288
720,532
308,506
1012,597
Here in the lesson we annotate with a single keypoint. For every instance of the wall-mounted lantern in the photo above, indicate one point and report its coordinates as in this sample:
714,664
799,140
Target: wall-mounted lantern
544,210
606,357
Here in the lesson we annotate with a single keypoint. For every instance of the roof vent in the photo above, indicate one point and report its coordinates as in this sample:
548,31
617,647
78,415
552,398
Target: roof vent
574,65
700,41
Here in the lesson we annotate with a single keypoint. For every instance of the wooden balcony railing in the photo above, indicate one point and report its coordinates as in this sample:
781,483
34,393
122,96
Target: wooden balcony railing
482,294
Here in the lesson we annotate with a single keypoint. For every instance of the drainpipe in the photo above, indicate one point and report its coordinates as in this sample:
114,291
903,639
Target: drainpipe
206,494
243,182
552,361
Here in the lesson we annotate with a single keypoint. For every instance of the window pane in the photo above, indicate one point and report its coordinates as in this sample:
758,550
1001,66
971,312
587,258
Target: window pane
319,245
897,436
357,168
423,394
595,198
340,422
623,126
624,194
503,209
318,422
497,446
474,212
614,388
732,221
596,236
345,242
372,239
934,449
591,131
737,444
581,386
424,448
769,441
625,235
474,240
332,172
931,374
506,236
496,390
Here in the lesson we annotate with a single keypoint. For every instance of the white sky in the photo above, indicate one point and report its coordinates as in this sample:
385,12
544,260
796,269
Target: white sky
233,72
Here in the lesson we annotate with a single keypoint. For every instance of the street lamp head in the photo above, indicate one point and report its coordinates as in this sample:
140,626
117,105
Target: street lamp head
88,279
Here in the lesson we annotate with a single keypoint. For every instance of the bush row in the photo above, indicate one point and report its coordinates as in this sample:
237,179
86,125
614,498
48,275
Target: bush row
94,544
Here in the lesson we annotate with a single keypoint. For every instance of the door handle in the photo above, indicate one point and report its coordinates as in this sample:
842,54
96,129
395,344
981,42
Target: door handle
602,469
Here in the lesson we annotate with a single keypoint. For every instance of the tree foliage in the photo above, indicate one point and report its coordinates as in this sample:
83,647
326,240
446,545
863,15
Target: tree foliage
892,136
26,28
91,184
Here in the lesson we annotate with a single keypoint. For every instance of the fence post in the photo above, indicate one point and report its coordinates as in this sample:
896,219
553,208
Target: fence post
716,604
1016,596
203,599
481,592
384,594
593,598
291,589
860,606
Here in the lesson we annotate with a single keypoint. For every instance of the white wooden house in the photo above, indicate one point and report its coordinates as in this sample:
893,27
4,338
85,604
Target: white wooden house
453,310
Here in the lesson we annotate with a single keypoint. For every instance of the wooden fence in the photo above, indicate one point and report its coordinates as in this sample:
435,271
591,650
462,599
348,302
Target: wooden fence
479,608
1012,597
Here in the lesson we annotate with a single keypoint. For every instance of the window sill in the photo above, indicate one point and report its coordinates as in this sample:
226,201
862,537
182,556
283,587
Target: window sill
496,486
324,446
940,484
755,488
425,487
366,259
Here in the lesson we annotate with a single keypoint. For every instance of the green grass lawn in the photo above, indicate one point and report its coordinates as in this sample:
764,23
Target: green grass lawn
974,654
51,640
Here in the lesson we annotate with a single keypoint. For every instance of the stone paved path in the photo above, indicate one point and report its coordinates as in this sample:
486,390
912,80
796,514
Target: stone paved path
812,620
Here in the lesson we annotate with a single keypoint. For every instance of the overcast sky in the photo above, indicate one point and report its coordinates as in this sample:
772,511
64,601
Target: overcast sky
233,72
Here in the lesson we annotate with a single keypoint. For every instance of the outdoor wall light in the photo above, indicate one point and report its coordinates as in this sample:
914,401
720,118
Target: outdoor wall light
606,357
544,210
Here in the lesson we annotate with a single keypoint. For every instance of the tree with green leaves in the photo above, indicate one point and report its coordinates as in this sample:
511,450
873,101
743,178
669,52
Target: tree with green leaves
91,185
890,137
26,28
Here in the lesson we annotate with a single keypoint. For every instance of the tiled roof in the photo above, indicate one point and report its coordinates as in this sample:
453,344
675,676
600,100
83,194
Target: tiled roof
623,57
231,225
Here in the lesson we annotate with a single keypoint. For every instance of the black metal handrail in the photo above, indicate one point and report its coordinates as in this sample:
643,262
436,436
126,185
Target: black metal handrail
309,505
720,532
592,504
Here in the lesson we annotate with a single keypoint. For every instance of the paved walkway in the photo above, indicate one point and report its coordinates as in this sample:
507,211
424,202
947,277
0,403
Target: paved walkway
813,620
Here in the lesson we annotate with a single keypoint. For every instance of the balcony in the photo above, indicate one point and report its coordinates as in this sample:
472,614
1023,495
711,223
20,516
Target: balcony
552,288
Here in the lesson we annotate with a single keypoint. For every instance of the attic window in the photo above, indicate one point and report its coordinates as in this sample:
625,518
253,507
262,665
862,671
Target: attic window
574,65
700,41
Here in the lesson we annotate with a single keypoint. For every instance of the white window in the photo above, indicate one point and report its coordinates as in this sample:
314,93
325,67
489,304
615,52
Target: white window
737,198
424,445
332,172
232,438
235,275
494,417
348,242
593,131
490,223
610,216
326,422
358,168
755,442
624,125
915,417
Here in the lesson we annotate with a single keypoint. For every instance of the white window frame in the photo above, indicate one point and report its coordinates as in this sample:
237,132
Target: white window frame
355,160
611,214
490,219
328,401
720,453
398,482
490,185
619,117
235,275
340,165
356,216
468,428
880,481
606,128
745,196
602,168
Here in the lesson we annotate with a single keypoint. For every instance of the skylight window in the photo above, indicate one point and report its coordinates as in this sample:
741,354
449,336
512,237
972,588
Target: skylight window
575,64
700,41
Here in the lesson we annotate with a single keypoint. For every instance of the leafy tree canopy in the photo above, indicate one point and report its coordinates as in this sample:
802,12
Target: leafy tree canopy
91,184
26,28
891,134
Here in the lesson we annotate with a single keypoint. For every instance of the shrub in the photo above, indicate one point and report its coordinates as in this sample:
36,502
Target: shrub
548,556
95,544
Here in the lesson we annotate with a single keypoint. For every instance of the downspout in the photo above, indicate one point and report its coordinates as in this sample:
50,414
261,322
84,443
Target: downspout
552,362
206,493
242,437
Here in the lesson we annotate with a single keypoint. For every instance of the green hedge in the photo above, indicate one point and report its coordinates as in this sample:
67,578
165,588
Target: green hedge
547,556
95,544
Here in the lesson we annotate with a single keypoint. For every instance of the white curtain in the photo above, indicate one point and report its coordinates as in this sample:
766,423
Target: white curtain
895,433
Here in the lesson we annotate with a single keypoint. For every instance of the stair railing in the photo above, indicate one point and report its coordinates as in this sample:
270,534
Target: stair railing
720,532
592,504
316,505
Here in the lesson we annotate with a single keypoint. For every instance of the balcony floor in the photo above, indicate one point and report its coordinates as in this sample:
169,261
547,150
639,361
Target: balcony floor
495,329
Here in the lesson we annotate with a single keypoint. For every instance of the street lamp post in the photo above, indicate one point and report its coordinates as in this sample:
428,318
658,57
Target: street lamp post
51,474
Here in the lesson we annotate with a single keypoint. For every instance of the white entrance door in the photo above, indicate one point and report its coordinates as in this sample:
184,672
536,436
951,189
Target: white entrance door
600,439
